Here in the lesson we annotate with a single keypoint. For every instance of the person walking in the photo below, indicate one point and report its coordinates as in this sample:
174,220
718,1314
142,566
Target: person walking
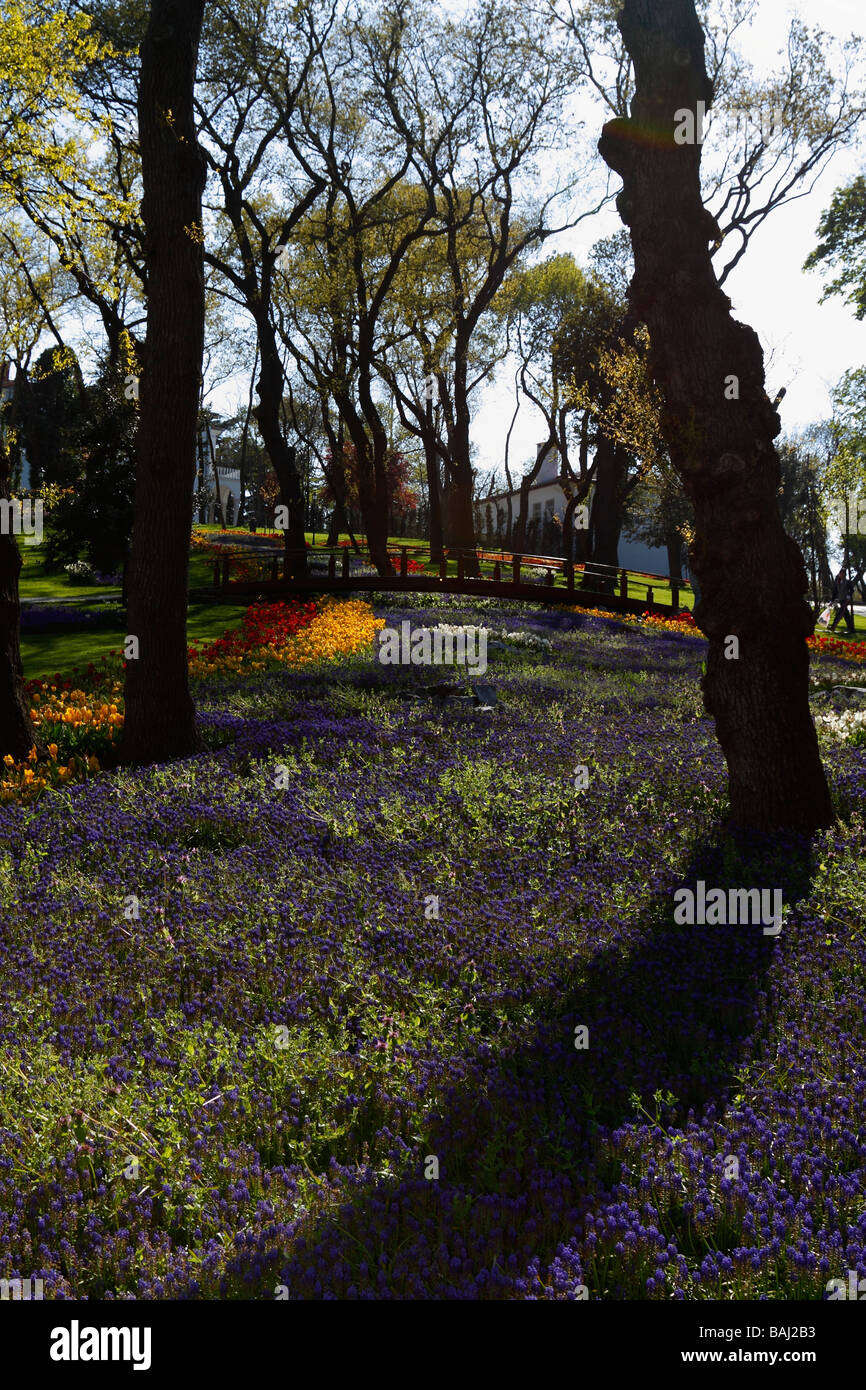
843,595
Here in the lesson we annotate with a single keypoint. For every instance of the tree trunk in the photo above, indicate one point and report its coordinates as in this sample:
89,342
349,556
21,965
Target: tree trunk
17,734
461,517
283,458
339,522
160,715
242,465
434,498
606,514
674,547
200,482
372,478
719,425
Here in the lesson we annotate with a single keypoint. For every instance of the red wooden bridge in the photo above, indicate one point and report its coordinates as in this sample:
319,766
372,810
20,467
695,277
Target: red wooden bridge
258,568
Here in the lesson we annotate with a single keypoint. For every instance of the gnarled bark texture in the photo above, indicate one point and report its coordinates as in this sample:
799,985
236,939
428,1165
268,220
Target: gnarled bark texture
752,577
160,715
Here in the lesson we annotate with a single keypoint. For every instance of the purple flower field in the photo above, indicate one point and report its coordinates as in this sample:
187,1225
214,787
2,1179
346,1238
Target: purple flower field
252,1002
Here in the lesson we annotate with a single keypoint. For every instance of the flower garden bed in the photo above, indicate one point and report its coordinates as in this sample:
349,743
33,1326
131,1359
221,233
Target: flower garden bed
365,933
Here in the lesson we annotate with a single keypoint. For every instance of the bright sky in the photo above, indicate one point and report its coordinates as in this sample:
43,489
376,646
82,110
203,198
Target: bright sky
811,344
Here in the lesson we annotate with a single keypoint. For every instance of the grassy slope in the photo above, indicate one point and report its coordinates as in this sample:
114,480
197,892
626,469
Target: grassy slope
62,652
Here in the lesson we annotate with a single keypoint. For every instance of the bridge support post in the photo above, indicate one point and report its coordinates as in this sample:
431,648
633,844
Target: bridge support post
404,561
346,563
623,584
332,565
515,568
275,571
650,596
675,597
569,576
443,566
460,566
497,573
225,583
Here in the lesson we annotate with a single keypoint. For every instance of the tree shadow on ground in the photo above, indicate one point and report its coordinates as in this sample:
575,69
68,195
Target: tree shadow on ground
534,1135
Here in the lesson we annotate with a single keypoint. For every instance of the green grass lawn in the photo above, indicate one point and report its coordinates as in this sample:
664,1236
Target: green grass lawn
37,582
51,653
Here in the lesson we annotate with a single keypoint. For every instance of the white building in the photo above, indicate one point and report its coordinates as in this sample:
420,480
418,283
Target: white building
546,501
229,478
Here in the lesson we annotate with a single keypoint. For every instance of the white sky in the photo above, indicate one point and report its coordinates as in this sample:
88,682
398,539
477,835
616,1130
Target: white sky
811,344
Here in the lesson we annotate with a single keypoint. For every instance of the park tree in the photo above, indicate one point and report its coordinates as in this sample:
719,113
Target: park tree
803,459
557,319
625,408
52,410
844,472
257,62
481,100
720,439
414,362
40,54
34,292
766,139
842,247
160,716
658,514
92,517
87,207
401,498
342,268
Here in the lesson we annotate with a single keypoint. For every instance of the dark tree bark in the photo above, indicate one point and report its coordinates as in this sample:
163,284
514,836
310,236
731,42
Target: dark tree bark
434,497
17,734
160,715
674,547
459,509
606,515
751,575
270,387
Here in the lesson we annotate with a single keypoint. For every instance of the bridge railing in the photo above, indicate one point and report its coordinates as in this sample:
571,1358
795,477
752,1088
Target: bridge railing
243,570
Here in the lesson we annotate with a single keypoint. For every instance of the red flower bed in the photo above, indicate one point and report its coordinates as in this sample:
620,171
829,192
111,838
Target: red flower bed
262,625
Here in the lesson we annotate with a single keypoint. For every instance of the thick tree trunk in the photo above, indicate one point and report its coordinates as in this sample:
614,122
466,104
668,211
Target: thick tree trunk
372,477
17,734
160,716
606,514
720,426
375,518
